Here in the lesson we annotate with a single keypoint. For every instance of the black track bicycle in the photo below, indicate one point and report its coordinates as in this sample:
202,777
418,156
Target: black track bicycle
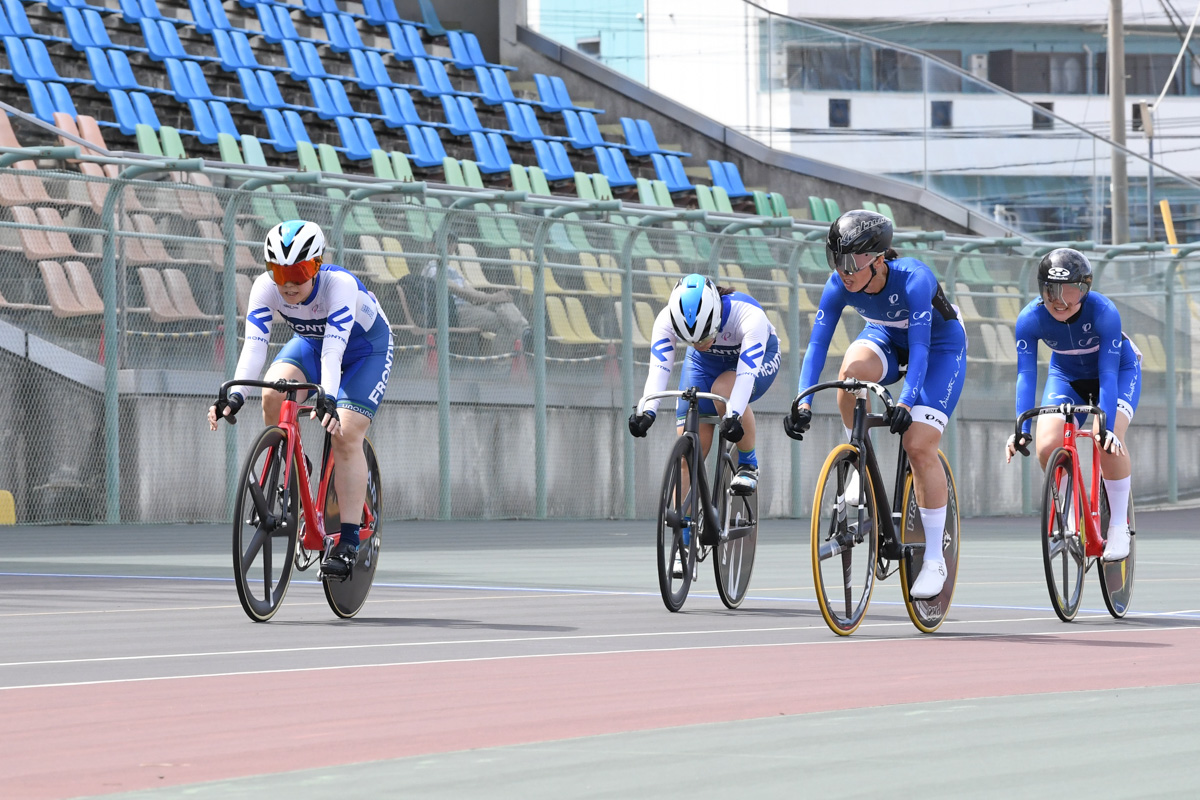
692,522
858,536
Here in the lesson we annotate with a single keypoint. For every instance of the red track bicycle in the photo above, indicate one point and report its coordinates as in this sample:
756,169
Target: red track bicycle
1075,522
277,523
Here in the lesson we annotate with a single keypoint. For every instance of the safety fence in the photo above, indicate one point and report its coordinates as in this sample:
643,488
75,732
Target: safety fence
522,329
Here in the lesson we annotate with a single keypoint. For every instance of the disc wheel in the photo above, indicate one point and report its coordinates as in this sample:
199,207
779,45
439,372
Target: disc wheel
929,614
845,541
733,558
1063,550
265,526
346,597
1116,577
677,528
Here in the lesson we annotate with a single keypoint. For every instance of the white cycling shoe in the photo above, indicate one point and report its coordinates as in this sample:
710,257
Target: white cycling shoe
1117,546
677,568
930,582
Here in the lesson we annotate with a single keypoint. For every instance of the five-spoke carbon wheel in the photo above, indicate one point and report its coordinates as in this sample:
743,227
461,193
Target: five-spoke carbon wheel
265,526
346,597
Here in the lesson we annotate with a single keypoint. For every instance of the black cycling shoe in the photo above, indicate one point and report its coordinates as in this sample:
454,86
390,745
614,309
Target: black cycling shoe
340,563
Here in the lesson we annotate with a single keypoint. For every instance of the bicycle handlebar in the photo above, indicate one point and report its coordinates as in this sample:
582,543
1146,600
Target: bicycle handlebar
279,386
850,385
641,408
1066,409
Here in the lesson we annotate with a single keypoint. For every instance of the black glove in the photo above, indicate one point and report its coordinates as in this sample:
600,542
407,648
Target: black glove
1019,442
731,428
640,423
900,419
234,403
326,405
796,424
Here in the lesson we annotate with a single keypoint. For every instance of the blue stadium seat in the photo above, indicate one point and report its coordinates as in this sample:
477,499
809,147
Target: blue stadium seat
487,87
18,60
366,134
335,33
459,53
379,69
352,142
266,21
389,109
473,47
245,53
467,108
145,109
341,101
223,118
671,172
274,97
206,128
408,109
564,97
633,138
77,30
418,148
255,99
734,186
127,118
39,97
651,142
548,160
372,13
399,40
281,139
717,170
20,23
612,165
483,153
296,61
102,73
362,70
535,128
321,99
201,17
546,92
516,124
295,126
454,118
500,151
387,9
579,139
99,34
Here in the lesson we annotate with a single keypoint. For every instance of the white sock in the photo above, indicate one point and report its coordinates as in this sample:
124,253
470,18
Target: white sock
1118,500
934,522
849,433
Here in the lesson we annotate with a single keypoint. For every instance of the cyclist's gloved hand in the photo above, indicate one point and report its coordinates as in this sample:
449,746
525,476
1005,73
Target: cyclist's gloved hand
640,423
226,409
1017,443
731,428
796,423
325,407
1109,442
900,418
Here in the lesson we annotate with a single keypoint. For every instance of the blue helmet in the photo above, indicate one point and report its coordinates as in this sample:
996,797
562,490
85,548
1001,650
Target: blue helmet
695,308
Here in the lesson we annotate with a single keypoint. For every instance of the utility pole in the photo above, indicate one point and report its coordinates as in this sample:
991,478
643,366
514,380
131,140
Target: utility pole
1116,95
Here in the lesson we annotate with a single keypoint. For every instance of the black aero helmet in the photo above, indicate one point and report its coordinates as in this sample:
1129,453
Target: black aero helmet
1061,269
857,233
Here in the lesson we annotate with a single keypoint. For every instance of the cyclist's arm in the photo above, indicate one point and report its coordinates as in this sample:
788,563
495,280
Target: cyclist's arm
1027,344
756,330
662,357
829,314
343,301
261,311
921,287
1108,326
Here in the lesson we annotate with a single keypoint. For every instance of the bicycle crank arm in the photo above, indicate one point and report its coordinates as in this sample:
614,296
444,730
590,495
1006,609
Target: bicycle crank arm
737,533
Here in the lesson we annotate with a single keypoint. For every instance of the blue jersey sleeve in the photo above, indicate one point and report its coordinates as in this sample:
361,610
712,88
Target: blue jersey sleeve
829,313
1108,326
1027,344
920,287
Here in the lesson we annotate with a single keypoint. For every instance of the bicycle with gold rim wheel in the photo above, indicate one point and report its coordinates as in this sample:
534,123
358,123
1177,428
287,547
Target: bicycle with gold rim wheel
858,536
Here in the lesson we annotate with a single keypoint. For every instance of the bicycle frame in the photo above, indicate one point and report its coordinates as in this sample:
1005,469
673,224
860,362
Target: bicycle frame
699,480
889,520
1094,542
314,508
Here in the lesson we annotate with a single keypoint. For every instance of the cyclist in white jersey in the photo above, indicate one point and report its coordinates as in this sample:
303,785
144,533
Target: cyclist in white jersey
734,353
342,341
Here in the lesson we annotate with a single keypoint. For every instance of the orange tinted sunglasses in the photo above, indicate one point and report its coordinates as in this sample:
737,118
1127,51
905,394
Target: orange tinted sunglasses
300,272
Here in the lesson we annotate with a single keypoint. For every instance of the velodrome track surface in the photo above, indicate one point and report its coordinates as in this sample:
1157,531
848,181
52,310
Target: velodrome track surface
536,660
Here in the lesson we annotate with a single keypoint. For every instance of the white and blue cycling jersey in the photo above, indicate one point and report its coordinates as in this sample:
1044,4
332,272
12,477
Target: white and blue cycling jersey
1091,359
745,343
342,337
908,322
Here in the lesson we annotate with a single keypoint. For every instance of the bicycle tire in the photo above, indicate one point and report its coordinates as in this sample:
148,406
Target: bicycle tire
268,516
733,559
1063,549
928,615
346,598
1116,577
676,513
841,564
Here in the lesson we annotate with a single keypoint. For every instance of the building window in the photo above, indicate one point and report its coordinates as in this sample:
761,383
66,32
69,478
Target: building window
1042,122
942,79
839,112
1038,73
823,67
941,114
1145,73
589,46
898,71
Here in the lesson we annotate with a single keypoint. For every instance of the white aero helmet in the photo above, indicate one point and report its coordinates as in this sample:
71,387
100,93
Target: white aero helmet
291,247
695,308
